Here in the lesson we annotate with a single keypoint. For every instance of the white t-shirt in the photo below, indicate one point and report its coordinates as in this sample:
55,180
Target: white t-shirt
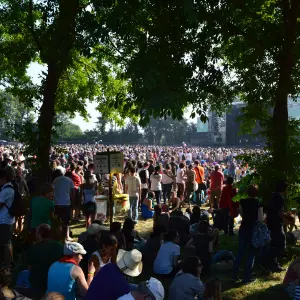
62,188
163,263
166,179
126,297
7,196
134,183
188,156
156,182
180,173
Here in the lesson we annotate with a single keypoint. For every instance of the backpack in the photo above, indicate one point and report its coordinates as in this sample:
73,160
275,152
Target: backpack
261,235
143,176
17,209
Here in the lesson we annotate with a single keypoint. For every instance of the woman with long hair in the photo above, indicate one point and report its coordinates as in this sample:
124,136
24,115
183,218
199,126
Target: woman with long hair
156,179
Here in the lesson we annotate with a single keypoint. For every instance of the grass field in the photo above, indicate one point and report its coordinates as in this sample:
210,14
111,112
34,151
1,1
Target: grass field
267,286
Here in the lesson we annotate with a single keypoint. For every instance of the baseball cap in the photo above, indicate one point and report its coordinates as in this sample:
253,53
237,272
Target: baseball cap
153,288
95,228
72,248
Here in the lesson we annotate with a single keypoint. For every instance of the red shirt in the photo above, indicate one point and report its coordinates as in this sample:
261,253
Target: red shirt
228,193
76,180
216,180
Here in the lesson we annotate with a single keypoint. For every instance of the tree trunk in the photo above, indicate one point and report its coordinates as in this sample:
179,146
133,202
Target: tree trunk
286,65
45,124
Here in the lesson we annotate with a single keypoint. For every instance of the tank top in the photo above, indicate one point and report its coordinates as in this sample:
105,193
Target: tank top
89,195
101,263
61,281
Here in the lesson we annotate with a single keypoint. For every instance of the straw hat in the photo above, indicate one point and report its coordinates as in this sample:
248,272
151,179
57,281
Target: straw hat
130,262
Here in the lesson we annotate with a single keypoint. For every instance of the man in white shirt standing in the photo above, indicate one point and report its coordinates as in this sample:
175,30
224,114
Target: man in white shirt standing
133,189
64,194
7,195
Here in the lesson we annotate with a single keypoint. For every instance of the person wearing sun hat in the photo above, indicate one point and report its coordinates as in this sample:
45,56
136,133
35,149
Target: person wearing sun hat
150,289
66,275
110,282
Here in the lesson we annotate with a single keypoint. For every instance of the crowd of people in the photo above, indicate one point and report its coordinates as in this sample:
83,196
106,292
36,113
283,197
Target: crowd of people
188,192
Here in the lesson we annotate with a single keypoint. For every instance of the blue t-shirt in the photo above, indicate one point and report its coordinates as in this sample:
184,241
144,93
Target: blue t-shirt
164,260
108,284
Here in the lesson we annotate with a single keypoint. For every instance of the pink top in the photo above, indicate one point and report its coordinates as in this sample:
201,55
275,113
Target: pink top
216,180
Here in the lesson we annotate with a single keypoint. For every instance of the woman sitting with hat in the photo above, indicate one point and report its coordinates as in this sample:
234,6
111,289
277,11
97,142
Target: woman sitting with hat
110,282
65,275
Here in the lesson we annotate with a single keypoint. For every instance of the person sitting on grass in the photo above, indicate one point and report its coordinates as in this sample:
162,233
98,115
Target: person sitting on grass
116,230
106,253
151,289
53,296
40,257
203,244
132,237
110,282
147,207
292,278
174,202
160,219
187,284
152,245
6,293
65,275
167,259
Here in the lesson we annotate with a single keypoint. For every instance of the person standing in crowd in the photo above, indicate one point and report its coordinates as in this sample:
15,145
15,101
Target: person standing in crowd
144,176
42,208
216,183
7,221
65,275
133,189
251,212
180,180
151,167
275,215
76,205
63,196
190,183
156,179
167,182
199,170
88,192
226,204
187,283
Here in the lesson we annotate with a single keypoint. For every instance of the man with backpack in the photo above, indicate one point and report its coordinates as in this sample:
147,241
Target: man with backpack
7,196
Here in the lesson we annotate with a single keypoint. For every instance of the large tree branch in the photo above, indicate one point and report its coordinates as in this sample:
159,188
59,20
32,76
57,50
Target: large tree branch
30,26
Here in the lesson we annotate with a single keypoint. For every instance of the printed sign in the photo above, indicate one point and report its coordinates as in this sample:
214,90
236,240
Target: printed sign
116,162
101,163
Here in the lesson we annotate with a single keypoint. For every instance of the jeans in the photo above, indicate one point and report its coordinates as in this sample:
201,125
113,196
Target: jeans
157,196
133,210
227,221
167,191
245,245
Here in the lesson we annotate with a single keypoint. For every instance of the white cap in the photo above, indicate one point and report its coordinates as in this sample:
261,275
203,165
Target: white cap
72,248
155,287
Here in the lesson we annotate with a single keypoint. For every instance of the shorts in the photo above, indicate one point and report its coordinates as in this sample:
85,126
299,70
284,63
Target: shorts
77,199
64,213
180,187
6,232
89,209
